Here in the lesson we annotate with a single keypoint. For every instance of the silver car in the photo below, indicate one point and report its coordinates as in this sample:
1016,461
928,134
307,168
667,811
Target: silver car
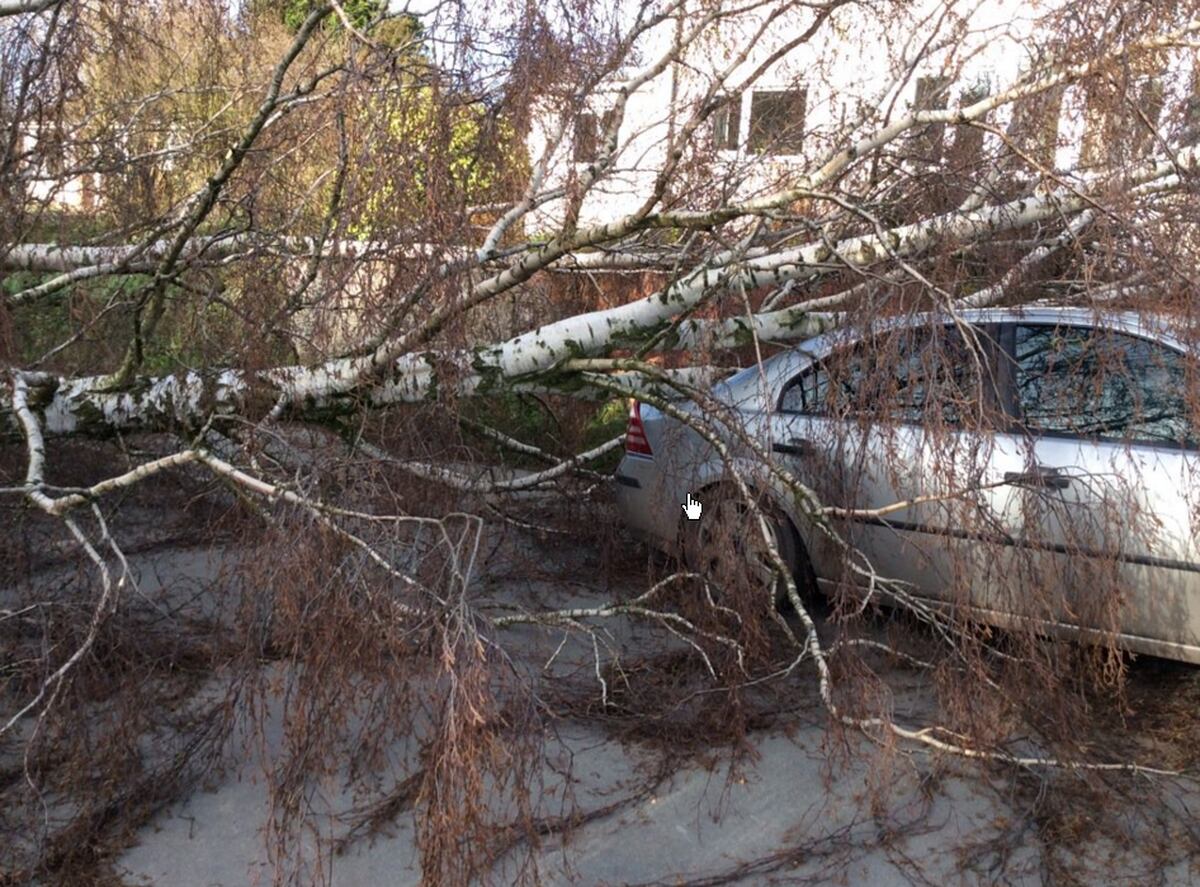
1034,467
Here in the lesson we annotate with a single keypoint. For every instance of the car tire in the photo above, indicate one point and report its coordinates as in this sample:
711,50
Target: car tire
727,527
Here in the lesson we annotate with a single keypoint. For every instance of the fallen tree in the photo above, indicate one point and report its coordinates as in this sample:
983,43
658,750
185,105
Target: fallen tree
364,172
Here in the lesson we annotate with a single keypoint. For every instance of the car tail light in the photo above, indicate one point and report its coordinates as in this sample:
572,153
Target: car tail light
635,432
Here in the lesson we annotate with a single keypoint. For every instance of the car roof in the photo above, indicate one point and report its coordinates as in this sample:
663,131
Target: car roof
1152,324
1039,313
1146,323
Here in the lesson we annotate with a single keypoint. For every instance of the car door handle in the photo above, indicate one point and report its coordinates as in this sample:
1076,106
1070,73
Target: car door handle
794,446
1040,477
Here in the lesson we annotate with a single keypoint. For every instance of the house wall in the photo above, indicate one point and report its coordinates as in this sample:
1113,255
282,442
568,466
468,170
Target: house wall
854,63
51,188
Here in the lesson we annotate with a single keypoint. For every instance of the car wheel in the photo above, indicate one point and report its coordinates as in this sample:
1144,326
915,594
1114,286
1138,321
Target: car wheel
726,545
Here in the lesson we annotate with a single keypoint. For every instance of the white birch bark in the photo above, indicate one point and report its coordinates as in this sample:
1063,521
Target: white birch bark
18,7
533,359
53,258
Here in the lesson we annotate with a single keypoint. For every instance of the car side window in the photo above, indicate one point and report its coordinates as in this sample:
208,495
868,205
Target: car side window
909,375
1101,385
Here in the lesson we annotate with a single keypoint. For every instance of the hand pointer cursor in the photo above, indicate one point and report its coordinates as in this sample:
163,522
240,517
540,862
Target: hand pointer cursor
692,508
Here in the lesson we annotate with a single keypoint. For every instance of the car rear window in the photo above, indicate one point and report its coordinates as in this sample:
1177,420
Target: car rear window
914,375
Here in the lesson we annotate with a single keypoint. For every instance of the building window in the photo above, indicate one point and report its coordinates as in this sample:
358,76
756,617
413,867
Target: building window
1117,114
931,96
1034,126
727,123
1191,111
1151,99
590,130
777,121
967,148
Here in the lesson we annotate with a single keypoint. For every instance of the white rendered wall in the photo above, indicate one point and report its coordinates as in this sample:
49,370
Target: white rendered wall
854,62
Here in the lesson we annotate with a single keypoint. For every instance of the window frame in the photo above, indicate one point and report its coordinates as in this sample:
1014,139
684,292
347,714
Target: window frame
993,348
1006,374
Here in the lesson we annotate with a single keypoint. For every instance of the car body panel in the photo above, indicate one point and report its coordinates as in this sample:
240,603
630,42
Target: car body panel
1128,514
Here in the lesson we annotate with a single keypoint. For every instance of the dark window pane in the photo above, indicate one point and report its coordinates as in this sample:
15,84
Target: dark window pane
726,123
931,92
1191,112
967,150
587,139
912,375
1034,126
931,96
777,121
808,394
590,131
1117,113
1097,384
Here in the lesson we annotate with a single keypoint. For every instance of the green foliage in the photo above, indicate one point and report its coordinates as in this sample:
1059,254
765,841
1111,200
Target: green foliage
47,323
40,327
395,31
193,336
181,342
398,32
292,13
19,280
161,115
456,149
554,429
427,145
605,424
518,415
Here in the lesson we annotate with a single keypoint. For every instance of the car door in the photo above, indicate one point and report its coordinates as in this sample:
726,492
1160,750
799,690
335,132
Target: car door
893,429
1104,456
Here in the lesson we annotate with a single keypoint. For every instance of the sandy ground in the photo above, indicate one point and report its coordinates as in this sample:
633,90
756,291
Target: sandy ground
798,806
798,810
